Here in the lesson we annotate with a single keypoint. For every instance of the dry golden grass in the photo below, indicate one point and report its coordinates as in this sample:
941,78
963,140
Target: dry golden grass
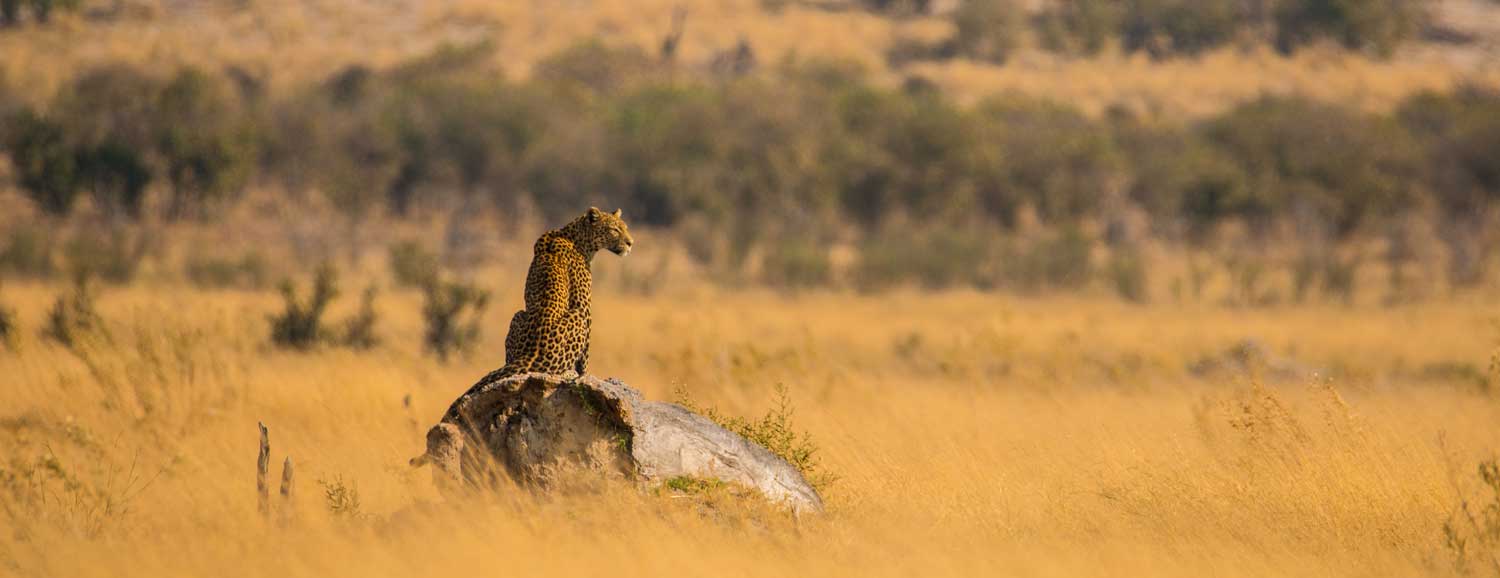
973,435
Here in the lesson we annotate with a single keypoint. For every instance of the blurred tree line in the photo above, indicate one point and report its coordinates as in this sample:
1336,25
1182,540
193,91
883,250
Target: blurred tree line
780,162
991,29
40,10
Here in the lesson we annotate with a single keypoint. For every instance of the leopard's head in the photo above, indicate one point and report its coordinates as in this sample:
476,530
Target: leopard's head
603,230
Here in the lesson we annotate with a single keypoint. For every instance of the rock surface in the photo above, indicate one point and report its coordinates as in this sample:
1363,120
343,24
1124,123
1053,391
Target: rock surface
532,428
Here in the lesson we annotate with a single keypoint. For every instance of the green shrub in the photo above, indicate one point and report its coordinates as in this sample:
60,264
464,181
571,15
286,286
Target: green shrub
28,251
74,315
115,257
117,176
359,330
798,264
300,324
1247,274
773,431
988,30
693,485
1128,274
45,165
1080,26
413,265
665,146
452,312
41,10
898,156
595,66
932,257
1347,169
1045,155
1375,25
113,103
439,123
108,112
1166,27
898,7
1180,178
204,141
1459,132
1055,260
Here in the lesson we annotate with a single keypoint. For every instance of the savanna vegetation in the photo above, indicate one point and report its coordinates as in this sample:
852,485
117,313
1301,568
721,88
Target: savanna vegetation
1150,287
765,175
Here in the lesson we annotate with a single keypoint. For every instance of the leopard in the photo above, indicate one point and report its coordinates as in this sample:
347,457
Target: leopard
551,334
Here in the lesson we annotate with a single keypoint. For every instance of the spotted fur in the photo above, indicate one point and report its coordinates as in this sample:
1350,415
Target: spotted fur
551,335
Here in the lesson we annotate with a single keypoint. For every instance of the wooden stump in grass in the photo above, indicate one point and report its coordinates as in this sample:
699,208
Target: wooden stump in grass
262,464
262,478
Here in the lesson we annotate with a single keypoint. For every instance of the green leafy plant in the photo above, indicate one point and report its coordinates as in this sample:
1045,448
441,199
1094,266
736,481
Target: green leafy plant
45,166
74,314
1128,274
204,141
8,328
693,485
988,30
114,257
1378,27
359,330
796,264
28,251
300,325
413,265
452,311
773,431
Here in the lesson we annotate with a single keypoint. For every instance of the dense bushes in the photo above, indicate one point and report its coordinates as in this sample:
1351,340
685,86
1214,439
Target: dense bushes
115,130
1376,25
41,10
987,29
46,168
777,164
1164,28
1303,159
300,324
1458,135
451,312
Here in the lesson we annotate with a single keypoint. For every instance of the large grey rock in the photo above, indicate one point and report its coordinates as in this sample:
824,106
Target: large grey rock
535,428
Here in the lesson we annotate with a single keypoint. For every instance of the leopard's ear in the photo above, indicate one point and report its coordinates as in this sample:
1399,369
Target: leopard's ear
594,214
617,213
